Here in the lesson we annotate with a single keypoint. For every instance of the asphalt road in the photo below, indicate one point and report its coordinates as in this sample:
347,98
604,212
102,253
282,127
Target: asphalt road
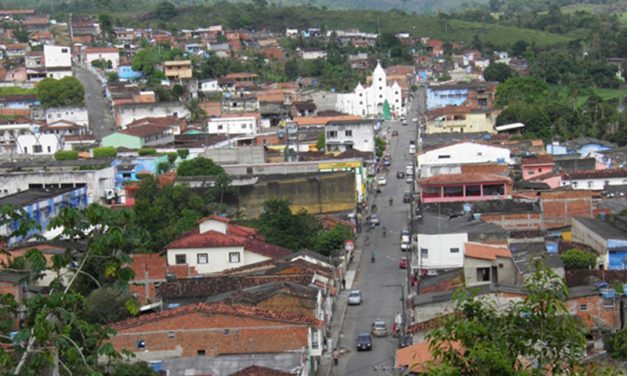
100,119
372,278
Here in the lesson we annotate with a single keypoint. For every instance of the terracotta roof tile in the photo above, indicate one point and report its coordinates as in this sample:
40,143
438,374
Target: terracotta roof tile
211,238
463,178
266,249
537,160
323,120
596,174
260,371
417,357
485,251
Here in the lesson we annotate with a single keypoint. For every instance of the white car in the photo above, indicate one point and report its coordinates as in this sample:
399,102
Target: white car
381,180
409,170
355,298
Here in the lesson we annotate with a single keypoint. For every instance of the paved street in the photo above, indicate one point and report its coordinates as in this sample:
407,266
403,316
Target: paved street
380,301
100,118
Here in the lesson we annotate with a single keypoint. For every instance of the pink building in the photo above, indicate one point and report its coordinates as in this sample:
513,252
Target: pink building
465,187
536,166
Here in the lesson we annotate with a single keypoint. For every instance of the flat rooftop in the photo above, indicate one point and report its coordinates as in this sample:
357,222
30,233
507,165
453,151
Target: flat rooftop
32,196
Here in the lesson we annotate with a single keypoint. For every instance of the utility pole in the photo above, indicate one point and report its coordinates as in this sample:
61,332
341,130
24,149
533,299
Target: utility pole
403,313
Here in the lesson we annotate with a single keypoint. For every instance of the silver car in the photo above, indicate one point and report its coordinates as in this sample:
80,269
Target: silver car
355,298
379,328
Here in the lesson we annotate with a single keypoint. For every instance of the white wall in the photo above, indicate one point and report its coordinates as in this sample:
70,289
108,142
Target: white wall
127,114
362,136
593,184
439,251
113,57
59,74
209,86
233,125
57,56
212,224
49,144
76,115
466,152
218,258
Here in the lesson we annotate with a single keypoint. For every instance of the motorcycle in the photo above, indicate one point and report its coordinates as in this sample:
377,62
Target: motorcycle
384,232
391,201
372,258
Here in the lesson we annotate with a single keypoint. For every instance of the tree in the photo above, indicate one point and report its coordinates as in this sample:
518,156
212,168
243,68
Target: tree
578,259
146,151
292,69
56,332
183,153
163,167
65,92
106,25
106,305
172,157
165,11
178,91
320,144
66,155
21,33
379,146
519,48
617,345
499,72
105,152
112,77
199,167
326,242
281,227
196,113
524,89
491,341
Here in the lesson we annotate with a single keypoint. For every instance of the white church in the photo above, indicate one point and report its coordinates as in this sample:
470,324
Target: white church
369,101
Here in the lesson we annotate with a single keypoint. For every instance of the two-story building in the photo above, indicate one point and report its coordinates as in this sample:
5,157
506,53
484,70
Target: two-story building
342,135
465,188
234,124
447,159
57,61
110,55
595,180
76,115
460,119
609,241
536,166
475,94
177,69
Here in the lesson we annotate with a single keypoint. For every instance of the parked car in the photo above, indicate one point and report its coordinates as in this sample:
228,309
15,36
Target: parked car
400,175
407,197
364,342
409,169
387,161
404,122
404,341
374,219
409,179
355,298
405,246
379,328
381,180
403,264
394,133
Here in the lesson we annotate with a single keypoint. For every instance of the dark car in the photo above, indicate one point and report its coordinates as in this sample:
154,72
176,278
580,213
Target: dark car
406,197
400,175
405,340
364,342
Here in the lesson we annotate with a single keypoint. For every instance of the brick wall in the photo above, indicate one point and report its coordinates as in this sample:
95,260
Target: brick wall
596,312
514,221
561,206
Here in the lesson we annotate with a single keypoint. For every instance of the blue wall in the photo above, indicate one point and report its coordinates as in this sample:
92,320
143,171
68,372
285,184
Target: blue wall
126,72
140,164
443,98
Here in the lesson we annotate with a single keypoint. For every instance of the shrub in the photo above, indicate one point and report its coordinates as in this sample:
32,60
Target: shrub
105,152
172,157
617,345
66,155
578,259
147,151
183,153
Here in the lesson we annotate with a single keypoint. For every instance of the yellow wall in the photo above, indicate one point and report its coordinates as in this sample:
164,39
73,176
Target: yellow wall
474,123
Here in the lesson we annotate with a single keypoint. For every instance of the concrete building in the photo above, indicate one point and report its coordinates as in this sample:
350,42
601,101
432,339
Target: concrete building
209,85
440,160
177,70
370,101
343,135
460,120
76,115
38,144
488,263
594,180
128,113
57,61
476,94
217,245
234,124
107,54
139,137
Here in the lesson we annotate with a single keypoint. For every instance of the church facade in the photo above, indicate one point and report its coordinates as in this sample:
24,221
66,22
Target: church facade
370,101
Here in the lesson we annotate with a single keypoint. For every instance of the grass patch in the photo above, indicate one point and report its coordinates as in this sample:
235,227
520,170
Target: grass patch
15,90
605,94
623,17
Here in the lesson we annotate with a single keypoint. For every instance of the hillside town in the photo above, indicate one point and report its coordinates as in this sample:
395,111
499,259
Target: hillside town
219,202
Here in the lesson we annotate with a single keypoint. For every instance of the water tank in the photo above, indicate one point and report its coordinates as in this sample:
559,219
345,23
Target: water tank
155,365
608,293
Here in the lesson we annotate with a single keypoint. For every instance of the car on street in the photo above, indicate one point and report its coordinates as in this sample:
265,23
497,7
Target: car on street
387,161
400,175
394,133
381,180
403,263
407,197
409,179
364,342
405,236
415,120
404,122
409,169
405,340
374,219
379,328
355,298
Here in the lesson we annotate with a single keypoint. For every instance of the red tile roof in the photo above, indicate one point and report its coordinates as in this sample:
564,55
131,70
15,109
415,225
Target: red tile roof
417,357
152,266
542,159
260,371
486,251
219,309
209,239
266,249
596,174
464,178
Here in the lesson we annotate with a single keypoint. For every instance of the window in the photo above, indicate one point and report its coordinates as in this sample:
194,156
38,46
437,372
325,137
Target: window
49,149
348,133
234,257
583,307
539,170
380,96
483,274
64,50
608,303
454,250
361,103
331,134
180,259
171,334
202,258
200,352
220,127
531,171
141,344
243,126
444,156
380,79
37,149
590,184
574,184
424,253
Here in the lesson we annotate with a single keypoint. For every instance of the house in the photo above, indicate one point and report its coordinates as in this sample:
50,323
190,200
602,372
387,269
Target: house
38,143
239,104
460,119
595,180
435,47
474,94
234,124
127,113
177,70
217,245
149,271
304,108
581,145
342,135
57,61
527,252
76,115
139,136
35,68
175,124
379,99
445,159
209,85
465,188
417,358
110,55
536,166
42,206
126,73
221,339
488,263
311,53
441,239
15,50
609,241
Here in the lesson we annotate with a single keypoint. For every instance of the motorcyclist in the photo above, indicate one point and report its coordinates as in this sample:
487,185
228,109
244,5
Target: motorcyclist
372,256
384,231
391,201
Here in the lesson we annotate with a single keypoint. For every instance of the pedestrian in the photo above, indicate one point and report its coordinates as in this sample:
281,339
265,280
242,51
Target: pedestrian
343,284
336,356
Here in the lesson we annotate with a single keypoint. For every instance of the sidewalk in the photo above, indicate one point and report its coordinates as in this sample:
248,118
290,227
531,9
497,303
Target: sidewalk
326,362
